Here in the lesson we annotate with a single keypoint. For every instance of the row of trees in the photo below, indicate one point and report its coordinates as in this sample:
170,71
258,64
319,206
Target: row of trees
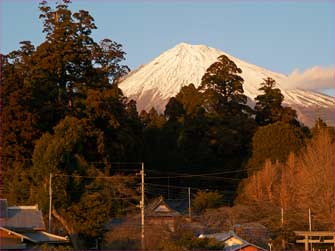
211,128
304,181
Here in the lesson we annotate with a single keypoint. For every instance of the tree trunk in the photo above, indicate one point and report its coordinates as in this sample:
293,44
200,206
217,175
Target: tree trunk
74,237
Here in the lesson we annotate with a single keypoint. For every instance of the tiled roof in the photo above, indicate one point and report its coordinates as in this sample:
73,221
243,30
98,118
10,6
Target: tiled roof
180,205
38,236
160,208
218,236
225,236
23,218
44,237
25,223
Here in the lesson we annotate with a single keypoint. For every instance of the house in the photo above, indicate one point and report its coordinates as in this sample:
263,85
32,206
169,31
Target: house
22,227
164,212
233,242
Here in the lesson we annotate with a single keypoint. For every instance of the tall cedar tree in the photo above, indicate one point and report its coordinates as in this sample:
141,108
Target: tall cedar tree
226,106
269,107
214,129
41,86
223,88
65,93
17,122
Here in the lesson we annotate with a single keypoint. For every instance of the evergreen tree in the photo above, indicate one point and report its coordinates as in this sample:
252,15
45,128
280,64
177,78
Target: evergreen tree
17,123
153,119
75,153
193,140
152,132
63,109
223,88
269,107
231,124
78,63
205,200
275,142
174,110
209,128
41,86
190,98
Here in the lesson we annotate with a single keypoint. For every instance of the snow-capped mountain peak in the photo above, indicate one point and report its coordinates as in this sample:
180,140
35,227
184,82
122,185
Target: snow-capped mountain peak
152,84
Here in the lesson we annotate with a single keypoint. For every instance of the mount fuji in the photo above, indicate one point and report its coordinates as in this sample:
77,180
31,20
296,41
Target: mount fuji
154,83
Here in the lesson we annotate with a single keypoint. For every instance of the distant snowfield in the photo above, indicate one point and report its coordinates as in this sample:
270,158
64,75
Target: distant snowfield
154,83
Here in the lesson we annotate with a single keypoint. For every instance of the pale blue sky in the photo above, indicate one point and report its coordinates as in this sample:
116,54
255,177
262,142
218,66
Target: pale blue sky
278,35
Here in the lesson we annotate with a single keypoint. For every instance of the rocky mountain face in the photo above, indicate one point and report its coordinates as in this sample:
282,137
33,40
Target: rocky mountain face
154,83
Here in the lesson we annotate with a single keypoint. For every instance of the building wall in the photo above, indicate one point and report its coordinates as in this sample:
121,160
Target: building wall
170,222
233,241
250,248
10,241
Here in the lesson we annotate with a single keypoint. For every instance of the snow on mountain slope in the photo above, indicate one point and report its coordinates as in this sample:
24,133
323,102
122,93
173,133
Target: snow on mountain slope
152,84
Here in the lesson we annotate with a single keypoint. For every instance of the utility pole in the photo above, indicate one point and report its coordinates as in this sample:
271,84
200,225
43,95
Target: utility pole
189,204
142,207
282,229
310,220
50,201
168,187
310,224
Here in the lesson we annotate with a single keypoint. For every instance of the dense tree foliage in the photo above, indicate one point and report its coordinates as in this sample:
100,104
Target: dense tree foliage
307,177
275,142
158,236
223,88
210,128
269,107
207,199
231,124
76,150
190,98
18,131
63,113
62,103
174,110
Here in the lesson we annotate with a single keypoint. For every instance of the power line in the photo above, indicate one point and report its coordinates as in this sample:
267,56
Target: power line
205,176
171,186
195,175
89,162
183,187
85,176
185,175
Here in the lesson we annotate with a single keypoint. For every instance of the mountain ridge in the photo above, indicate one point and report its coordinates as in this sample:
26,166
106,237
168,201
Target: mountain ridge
154,83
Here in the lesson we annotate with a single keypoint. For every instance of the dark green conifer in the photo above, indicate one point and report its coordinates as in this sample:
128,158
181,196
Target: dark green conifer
269,107
223,88
174,110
